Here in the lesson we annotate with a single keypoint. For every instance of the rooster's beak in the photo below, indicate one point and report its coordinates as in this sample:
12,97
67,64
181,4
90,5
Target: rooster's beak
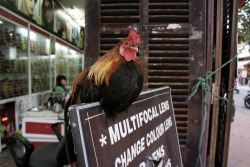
135,48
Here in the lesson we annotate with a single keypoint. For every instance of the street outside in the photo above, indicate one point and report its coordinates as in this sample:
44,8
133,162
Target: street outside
239,147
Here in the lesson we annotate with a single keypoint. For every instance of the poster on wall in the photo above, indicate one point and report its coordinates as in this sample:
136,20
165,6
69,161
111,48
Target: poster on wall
42,11
48,14
80,38
37,12
59,20
75,35
22,104
30,8
12,3
64,26
26,7
67,31
51,16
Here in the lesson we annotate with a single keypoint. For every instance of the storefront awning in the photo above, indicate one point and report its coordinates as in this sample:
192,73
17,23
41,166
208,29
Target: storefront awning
241,3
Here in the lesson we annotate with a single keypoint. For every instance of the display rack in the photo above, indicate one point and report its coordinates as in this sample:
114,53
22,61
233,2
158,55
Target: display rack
25,55
13,60
40,62
27,68
74,65
67,61
61,56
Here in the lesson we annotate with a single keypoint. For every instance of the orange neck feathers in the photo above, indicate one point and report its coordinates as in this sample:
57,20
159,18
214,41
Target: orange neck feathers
102,70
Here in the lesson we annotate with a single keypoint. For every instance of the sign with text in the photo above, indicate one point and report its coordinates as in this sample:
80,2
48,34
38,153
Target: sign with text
145,135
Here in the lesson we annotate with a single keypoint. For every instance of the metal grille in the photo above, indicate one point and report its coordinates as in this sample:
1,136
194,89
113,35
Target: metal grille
168,57
168,65
119,11
168,11
169,47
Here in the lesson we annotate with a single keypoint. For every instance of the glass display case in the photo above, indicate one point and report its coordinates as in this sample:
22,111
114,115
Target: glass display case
74,65
13,60
60,60
67,62
27,67
40,62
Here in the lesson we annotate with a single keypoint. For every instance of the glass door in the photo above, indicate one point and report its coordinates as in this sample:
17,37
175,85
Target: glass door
74,65
61,61
40,62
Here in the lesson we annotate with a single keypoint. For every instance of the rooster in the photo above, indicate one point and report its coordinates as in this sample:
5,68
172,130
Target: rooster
115,80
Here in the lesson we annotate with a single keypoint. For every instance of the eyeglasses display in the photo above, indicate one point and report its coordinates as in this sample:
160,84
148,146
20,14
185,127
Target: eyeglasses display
13,60
67,62
25,53
74,64
60,61
40,62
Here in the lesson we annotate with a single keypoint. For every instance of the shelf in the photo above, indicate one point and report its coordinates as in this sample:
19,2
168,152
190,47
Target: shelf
39,92
4,46
62,63
42,92
26,73
8,100
35,56
41,73
72,64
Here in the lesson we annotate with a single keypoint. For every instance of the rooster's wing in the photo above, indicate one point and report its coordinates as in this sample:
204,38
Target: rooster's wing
124,87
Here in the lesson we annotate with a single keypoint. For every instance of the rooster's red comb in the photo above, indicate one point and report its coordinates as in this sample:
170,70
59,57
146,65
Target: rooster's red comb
134,36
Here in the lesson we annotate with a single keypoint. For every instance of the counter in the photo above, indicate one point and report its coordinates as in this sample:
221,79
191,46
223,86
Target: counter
36,126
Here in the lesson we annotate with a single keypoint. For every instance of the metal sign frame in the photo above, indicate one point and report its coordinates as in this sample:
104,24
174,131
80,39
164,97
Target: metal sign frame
148,126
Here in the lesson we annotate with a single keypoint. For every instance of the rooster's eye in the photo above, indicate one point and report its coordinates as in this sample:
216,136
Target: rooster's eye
126,43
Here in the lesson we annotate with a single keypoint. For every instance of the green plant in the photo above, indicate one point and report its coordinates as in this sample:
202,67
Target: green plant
244,23
2,128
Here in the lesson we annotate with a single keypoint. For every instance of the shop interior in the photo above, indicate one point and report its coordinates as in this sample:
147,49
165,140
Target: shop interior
34,50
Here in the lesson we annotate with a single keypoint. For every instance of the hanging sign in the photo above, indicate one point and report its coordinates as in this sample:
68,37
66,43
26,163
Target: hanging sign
144,136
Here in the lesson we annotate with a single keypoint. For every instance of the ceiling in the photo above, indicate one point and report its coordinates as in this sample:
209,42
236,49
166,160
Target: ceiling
75,9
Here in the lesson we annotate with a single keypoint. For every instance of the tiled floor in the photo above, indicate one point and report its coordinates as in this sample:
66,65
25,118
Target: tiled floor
5,159
239,147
